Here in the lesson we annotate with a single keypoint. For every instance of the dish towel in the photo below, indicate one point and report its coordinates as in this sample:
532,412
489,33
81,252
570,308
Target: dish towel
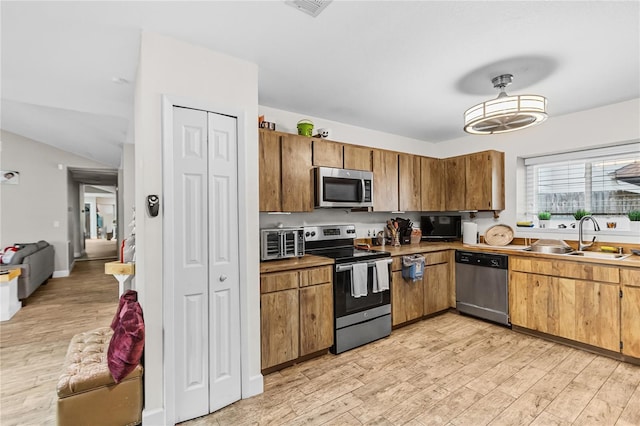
359,280
381,278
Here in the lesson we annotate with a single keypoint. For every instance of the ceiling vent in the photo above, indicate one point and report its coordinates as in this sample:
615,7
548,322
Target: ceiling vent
310,7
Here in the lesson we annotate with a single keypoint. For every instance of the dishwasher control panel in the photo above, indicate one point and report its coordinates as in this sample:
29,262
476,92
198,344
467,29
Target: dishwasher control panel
488,260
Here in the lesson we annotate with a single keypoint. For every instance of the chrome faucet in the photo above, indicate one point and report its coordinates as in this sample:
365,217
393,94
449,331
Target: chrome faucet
596,227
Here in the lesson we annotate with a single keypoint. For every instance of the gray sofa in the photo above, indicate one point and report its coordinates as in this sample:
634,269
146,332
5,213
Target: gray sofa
36,262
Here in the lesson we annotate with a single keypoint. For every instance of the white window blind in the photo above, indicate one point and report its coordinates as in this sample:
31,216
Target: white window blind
602,181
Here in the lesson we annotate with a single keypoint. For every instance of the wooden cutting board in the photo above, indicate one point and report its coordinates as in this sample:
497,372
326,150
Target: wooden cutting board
498,235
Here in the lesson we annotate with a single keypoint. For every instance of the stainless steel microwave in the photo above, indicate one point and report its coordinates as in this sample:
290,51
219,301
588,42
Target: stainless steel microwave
281,243
343,188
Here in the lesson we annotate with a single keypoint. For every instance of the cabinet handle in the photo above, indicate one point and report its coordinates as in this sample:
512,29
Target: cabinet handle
223,278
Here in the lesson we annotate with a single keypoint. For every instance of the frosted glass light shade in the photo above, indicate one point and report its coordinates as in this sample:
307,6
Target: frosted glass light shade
505,114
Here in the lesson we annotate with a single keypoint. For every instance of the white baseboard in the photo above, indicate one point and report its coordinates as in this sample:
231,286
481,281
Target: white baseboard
153,417
61,274
255,386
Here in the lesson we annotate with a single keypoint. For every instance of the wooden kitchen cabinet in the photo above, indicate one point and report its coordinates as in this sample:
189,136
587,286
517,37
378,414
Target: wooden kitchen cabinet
286,180
475,181
455,183
279,327
484,177
297,178
357,157
409,183
327,153
296,312
407,299
630,312
385,180
577,301
432,188
270,184
437,282
316,318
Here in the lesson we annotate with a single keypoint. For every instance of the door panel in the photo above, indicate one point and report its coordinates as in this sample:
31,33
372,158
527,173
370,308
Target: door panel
190,292
224,278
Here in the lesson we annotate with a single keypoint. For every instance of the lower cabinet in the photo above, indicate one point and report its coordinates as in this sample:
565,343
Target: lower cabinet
630,312
296,313
412,300
584,310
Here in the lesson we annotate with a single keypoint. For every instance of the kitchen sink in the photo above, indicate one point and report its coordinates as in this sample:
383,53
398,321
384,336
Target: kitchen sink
598,255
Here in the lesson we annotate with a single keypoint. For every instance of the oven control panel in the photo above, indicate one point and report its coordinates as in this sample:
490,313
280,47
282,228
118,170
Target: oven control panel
329,232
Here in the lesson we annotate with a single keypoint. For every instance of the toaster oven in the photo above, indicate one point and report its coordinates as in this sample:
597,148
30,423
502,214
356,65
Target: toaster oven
281,243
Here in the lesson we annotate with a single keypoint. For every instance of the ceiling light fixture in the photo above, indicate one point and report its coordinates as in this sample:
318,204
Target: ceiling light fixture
505,113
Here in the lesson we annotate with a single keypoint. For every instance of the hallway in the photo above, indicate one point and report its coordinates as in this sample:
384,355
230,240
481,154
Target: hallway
100,249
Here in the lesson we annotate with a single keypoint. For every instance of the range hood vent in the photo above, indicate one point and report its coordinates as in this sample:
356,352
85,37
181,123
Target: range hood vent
310,7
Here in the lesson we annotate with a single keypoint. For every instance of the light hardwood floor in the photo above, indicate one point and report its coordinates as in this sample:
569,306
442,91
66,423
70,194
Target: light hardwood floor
446,370
450,370
34,342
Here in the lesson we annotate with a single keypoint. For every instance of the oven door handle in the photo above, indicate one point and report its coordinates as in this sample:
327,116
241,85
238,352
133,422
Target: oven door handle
349,266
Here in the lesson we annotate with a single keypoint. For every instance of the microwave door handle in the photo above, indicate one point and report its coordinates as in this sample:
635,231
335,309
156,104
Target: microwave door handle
282,244
362,187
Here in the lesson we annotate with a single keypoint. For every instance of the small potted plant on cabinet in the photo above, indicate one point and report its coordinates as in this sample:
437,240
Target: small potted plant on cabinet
580,213
634,217
544,218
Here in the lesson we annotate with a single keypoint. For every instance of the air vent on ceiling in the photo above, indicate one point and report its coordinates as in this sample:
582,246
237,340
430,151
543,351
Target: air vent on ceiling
310,7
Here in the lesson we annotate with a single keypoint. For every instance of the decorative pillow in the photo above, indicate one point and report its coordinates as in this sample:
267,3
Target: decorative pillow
128,296
127,342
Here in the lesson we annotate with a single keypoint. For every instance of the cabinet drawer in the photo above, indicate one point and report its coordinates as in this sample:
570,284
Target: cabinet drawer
278,281
630,277
315,276
436,258
586,271
532,265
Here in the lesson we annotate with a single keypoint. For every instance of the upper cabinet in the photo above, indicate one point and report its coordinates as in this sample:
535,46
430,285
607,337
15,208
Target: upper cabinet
286,180
270,175
357,157
432,197
385,180
455,183
409,182
485,180
327,153
475,181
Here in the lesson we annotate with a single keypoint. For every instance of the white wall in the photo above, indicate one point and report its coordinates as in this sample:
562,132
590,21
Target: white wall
287,122
588,129
38,207
170,67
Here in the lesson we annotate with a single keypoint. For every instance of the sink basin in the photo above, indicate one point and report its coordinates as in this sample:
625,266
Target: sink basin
599,255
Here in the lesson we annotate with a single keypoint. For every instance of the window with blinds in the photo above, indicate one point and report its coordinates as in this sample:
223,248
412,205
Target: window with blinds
603,181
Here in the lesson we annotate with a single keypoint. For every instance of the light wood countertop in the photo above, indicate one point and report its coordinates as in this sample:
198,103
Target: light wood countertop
307,261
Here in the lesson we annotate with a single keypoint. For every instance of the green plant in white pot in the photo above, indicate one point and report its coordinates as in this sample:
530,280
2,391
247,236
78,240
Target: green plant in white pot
544,219
634,217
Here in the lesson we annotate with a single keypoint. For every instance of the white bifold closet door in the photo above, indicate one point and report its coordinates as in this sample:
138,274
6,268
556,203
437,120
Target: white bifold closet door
206,278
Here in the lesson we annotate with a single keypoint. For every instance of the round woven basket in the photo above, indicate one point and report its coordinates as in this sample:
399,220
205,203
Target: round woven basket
498,235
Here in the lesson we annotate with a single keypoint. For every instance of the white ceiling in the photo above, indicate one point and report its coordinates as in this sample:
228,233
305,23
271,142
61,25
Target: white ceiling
407,68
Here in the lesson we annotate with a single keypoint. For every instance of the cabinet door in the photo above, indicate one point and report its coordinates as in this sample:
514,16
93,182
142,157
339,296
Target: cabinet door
455,183
327,153
385,180
485,180
436,288
316,318
432,189
596,310
297,180
533,302
409,182
269,167
279,327
357,157
407,299
630,317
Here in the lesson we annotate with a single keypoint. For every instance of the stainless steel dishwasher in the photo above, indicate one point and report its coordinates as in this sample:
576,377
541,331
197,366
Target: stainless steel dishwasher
482,288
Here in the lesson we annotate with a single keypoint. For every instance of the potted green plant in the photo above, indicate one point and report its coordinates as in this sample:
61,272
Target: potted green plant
634,217
580,213
544,218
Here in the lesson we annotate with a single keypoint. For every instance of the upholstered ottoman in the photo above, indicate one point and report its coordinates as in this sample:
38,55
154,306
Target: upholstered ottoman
87,393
